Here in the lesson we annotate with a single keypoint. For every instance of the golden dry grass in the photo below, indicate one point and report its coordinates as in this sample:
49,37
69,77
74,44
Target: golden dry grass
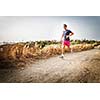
20,51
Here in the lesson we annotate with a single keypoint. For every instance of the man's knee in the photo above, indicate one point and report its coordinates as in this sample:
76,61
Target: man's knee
63,46
69,47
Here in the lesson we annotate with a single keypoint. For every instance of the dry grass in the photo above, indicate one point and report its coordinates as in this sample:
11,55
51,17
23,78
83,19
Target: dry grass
97,47
56,49
19,51
22,52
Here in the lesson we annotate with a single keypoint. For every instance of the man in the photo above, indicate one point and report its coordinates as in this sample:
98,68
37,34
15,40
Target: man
66,41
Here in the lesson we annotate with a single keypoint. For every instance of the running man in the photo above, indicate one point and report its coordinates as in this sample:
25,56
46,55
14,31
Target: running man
65,39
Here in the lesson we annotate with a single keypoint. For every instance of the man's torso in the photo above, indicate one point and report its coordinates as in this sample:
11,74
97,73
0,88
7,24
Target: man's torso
66,33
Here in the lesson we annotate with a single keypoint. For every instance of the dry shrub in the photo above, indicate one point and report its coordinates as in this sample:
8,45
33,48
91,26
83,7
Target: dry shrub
4,51
52,49
20,51
19,54
82,47
97,47
17,51
28,51
56,49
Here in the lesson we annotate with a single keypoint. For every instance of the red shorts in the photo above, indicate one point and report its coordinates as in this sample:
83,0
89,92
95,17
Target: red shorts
66,43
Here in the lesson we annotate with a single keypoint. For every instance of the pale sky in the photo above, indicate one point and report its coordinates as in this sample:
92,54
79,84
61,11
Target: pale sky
47,28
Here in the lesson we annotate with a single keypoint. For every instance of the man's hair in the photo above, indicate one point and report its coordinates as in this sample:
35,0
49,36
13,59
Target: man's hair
65,25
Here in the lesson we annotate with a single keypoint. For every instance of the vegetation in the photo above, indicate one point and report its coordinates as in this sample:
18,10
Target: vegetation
24,51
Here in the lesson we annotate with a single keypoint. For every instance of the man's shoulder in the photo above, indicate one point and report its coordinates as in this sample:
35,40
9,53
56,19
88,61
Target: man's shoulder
69,30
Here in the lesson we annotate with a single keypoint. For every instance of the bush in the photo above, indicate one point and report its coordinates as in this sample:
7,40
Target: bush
41,48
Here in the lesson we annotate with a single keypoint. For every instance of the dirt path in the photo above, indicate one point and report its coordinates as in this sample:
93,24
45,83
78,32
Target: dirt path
75,67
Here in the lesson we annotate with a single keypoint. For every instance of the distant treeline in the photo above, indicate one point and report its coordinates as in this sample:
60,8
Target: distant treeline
42,44
85,41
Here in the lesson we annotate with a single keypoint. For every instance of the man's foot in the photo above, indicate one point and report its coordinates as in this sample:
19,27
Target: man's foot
62,56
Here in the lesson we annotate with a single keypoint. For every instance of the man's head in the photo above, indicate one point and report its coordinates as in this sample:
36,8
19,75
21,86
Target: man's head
65,26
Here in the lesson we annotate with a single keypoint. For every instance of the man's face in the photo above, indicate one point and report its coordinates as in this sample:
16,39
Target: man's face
65,27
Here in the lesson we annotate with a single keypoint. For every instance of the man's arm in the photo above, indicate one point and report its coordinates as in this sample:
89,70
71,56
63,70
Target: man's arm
62,37
71,33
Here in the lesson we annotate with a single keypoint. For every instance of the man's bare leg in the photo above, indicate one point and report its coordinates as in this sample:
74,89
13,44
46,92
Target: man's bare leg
63,47
62,54
71,50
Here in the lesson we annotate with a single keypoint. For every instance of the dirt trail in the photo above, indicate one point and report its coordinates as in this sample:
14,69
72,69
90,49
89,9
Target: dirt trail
75,67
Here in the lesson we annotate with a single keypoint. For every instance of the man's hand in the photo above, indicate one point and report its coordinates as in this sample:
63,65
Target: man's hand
71,34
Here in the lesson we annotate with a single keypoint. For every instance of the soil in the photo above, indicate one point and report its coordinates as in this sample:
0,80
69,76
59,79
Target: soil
75,67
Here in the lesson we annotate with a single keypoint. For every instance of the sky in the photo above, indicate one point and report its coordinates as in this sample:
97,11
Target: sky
31,28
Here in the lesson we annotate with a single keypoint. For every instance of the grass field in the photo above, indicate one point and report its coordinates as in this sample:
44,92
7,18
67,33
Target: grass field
20,53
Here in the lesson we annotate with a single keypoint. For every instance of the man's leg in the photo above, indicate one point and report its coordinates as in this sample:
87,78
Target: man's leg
71,50
63,47
68,45
62,50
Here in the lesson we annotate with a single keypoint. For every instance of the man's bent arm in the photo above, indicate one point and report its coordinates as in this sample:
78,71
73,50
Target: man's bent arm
71,33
